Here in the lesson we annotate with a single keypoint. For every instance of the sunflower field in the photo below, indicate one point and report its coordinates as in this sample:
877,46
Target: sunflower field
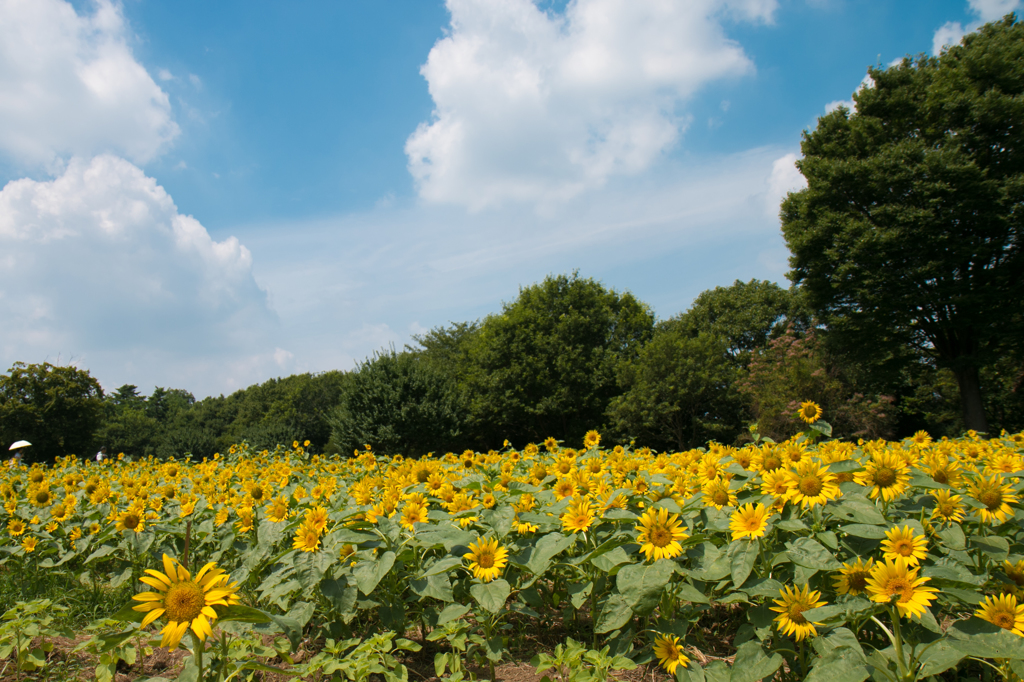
812,559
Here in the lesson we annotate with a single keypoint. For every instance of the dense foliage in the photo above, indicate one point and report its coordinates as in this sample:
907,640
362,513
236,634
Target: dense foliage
909,233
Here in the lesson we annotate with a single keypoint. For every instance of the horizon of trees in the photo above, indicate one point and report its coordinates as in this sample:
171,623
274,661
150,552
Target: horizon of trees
568,355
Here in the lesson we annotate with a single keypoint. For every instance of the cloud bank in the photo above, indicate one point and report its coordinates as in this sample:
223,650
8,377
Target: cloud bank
99,265
69,85
538,107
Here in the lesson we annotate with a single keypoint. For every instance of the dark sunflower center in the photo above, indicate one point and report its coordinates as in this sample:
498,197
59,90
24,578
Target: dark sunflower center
992,499
885,477
184,601
810,486
721,497
485,560
903,547
899,587
131,521
660,537
1004,620
796,614
772,462
857,581
941,476
257,493
42,497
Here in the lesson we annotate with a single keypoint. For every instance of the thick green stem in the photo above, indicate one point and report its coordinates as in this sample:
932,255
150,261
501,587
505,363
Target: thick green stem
894,614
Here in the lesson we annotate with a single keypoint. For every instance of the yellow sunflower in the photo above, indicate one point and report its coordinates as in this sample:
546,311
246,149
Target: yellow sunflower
749,522
812,484
29,544
791,609
307,538
15,527
887,474
717,493
277,509
660,534
578,516
901,542
853,578
132,519
670,653
592,439
486,559
1015,572
996,497
949,508
1003,611
413,513
183,601
809,411
895,579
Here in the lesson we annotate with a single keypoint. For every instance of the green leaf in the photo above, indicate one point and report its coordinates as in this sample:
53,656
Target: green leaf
537,558
742,555
491,596
810,554
127,614
607,561
764,587
842,664
242,614
863,530
641,585
369,573
438,586
978,637
687,592
995,546
940,656
441,566
615,612
857,510
953,537
822,427
752,664
500,519
451,612
341,595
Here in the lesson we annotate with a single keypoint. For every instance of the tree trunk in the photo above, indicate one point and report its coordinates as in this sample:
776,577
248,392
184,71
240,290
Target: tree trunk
970,398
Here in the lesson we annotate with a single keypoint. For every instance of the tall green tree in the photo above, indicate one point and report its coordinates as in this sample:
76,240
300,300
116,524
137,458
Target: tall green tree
546,366
909,231
746,314
679,392
397,404
56,408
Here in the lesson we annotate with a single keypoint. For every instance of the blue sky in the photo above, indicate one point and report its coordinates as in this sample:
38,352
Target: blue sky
205,195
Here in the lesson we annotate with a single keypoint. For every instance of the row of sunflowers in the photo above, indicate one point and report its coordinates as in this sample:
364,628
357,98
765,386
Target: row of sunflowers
824,559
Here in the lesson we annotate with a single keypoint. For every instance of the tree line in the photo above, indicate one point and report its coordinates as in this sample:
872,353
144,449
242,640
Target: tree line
906,312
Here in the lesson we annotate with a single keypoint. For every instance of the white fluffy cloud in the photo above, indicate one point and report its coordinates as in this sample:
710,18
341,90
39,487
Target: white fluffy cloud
99,265
951,32
785,178
69,85
536,106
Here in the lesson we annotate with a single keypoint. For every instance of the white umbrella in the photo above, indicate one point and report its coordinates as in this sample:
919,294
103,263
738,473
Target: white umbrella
20,444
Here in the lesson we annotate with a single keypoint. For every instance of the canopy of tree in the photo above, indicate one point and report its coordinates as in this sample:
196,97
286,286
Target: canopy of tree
909,233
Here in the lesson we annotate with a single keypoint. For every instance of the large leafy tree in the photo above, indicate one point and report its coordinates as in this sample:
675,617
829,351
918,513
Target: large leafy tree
546,366
909,231
56,408
397,404
679,392
746,314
